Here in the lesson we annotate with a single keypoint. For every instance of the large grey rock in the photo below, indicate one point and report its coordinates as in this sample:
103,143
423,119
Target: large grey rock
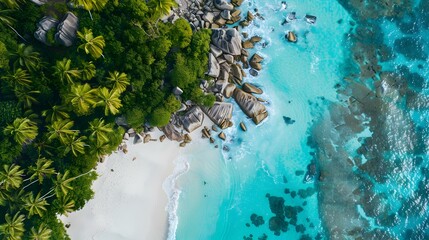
226,14
43,26
177,91
172,130
215,50
223,5
228,40
236,72
193,119
67,30
250,105
214,68
229,90
208,17
219,113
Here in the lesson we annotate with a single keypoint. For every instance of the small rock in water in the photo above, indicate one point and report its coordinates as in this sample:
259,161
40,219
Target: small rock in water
310,19
226,148
299,172
293,194
291,37
253,72
288,120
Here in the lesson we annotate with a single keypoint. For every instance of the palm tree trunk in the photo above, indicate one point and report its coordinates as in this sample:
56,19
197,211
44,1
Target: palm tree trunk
13,29
90,15
43,197
30,184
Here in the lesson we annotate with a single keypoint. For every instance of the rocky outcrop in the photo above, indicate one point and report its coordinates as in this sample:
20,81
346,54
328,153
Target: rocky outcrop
214,67
250,106
171,131
223,5
43,26
177,91
67,30
220,113
193,119
229,90
228,40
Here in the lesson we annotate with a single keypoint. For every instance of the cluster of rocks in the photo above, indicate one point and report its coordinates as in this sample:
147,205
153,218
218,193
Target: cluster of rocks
208,14
65,30
290,18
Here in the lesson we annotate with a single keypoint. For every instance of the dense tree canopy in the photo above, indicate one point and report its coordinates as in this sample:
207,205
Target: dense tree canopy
58,104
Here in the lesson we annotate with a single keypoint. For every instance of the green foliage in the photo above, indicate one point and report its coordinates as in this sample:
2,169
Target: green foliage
172,104
181,33
159,117
4,59
9,111
129,64
50,36
135,117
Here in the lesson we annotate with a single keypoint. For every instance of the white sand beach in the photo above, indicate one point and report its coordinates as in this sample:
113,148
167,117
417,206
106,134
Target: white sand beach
129,201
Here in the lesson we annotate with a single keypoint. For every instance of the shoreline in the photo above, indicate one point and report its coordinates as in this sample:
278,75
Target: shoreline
139,197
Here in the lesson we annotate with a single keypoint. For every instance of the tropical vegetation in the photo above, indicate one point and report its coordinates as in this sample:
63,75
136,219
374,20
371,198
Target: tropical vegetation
58,105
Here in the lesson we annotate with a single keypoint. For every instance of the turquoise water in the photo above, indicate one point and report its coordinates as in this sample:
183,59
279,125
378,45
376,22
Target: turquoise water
222,189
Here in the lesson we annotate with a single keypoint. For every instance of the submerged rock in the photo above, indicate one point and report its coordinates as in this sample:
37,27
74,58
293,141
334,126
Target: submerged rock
288,120
310,19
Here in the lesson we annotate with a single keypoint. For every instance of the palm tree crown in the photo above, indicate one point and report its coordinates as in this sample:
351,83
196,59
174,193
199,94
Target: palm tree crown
13,228
63,70
22,130
41,233
61,129
10,176
92,45
110,100
35,205
82,98
119,81
26,57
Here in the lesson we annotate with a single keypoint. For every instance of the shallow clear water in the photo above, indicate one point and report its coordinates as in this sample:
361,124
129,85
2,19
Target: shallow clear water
265,159
368,135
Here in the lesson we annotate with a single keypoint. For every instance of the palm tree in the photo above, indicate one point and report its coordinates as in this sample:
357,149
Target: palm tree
41,170
8,21
26,57
62,184
57,113
41,233
119,81
10,176
22,130
74,144
19,77
161,7
110,100
88,70
13,228
90,5
63,70
35,205
82,98
11,4
99,148
64,205
99,130
26,97
61,129
92,45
